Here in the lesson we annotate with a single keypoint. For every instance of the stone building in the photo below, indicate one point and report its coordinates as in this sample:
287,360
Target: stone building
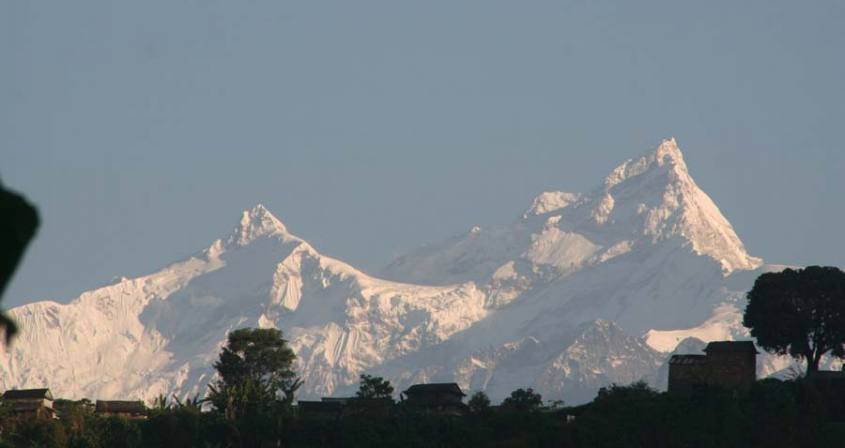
726,364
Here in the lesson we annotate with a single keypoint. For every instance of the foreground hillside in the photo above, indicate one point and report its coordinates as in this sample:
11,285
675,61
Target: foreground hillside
580,291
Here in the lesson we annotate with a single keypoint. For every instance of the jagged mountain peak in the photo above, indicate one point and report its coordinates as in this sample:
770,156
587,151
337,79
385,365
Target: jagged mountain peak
534,302
656,195
645,205
255,223
669,152
666,159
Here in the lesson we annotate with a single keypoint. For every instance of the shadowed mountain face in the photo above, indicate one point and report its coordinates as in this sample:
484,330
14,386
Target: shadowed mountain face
558,300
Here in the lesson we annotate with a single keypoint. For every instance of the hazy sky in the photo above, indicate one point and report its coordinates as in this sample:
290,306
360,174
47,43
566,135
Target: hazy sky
142,129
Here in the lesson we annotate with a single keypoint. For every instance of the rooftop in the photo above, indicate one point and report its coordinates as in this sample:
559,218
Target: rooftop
320,406
452,388
121,406
336,399
687,359
28,394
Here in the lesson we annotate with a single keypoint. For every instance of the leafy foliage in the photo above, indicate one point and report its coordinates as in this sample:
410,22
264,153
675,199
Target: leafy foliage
374,387
523,400
256,386
261,357
255,370
799,312
479,403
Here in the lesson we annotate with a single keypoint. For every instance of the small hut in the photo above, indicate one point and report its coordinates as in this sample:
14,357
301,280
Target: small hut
127,409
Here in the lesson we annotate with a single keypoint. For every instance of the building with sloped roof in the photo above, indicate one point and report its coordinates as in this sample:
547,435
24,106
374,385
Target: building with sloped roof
30,402
444,398
726,364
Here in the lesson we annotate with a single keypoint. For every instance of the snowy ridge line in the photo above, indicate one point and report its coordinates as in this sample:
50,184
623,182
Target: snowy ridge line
579,291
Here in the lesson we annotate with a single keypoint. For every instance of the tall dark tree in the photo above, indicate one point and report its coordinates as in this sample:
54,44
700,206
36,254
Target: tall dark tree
255,369
479,403
523,400
374,387
799,312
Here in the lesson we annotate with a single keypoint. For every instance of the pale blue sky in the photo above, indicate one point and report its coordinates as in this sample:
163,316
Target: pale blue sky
142,129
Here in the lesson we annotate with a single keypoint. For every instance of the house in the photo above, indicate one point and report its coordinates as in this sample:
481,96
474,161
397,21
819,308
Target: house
725,364
687,371
733,363
128,409
445,398
63,406
30,402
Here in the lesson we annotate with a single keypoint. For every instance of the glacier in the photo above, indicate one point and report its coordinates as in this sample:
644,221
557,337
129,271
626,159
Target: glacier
581,290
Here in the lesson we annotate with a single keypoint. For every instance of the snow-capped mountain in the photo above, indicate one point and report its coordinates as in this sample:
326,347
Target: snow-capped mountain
579,291
570,367
161,333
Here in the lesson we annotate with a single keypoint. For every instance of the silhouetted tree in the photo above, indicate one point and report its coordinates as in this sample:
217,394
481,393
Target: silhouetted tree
479,403
194,403
119,431
255,365
256,386
799,312
523,400
39,432
160,403
374,387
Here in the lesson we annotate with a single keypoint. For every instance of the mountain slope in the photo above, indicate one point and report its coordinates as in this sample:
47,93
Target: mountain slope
641,202
161,333
539,302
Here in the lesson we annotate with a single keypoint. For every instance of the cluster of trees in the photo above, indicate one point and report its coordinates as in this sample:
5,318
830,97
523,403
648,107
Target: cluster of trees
770,414
795,312
799,312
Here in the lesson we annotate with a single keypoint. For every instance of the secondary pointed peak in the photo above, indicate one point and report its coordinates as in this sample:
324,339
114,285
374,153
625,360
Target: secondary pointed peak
260,213
669,152
549,201
669,146
663,202
666,158
255,223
